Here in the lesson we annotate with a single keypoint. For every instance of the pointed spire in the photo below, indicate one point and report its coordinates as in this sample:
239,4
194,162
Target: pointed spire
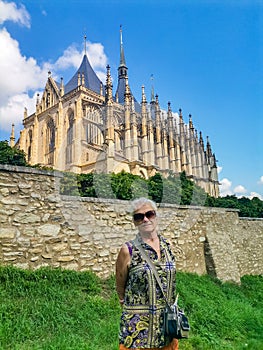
25,113
122,57
108,85
85,44
208,147
127,93
201,141
169,106
180,114
61,87
190,122
152,89
37,101
12,136
143,95
157,99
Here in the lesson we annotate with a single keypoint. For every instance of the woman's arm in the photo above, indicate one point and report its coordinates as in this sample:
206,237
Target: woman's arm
122,266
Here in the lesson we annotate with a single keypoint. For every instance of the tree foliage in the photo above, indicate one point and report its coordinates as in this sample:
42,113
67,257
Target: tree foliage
174,189
247,207
11,155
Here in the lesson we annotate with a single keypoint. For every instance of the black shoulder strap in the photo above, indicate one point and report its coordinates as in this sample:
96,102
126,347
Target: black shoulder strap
137,243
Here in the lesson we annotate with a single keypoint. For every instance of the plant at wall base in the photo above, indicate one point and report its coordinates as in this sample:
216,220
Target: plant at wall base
11,155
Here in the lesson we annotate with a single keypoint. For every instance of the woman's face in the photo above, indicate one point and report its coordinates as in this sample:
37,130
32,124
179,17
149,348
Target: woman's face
147,224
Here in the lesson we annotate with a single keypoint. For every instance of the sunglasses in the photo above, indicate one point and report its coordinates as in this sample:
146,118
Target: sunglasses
139,217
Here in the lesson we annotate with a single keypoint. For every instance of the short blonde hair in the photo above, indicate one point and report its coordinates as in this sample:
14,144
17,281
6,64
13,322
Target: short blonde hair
139,202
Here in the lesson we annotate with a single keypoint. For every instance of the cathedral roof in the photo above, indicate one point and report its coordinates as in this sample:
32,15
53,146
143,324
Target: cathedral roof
92,82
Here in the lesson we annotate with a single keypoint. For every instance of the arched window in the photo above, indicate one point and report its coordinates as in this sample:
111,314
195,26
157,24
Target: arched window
50,135
70,136
70,129
29,145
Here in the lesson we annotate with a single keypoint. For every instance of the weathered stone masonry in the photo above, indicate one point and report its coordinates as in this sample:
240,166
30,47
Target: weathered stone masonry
39,227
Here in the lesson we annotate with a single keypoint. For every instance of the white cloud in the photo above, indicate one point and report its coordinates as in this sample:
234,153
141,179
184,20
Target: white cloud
18,73
255,194
240,189
13,111
260,182
225,187
71,58
18,76
10,12
219,169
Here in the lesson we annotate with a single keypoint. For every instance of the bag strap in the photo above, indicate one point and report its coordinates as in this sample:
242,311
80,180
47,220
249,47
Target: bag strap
146,257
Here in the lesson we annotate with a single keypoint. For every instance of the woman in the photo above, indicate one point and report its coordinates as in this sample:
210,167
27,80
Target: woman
142,301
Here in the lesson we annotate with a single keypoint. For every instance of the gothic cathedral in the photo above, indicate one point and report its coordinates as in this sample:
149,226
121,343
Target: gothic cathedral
84,127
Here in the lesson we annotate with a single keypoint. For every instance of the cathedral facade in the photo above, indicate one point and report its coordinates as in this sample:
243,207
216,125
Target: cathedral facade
83,127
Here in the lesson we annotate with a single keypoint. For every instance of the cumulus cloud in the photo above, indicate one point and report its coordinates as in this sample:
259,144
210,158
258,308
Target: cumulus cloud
225,187
260,182
10,12
240,189
19,75
255,194
219,169
71,57
22,77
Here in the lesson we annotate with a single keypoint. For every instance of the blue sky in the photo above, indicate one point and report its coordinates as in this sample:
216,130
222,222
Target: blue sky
205,57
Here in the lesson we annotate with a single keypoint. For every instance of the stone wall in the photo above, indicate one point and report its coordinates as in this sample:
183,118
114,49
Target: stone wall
39,227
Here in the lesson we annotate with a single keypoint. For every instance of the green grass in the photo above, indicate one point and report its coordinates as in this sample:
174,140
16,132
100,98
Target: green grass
57,309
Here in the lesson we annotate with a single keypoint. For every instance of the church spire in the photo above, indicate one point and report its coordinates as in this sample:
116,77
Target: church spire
122,57
122,70
12,136
123,79
85,44
122,74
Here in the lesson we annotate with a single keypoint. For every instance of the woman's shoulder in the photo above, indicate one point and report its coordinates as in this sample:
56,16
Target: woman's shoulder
129,245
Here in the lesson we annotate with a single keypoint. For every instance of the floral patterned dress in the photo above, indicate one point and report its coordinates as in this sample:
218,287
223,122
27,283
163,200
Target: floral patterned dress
142,315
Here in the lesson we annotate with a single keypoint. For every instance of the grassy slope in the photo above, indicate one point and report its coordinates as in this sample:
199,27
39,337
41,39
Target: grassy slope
58,309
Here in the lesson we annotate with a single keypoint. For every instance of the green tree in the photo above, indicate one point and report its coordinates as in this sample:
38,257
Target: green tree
11,155
257,205
86,185
155,187
187,189
128,186
69,184
102,185
172,189
247,207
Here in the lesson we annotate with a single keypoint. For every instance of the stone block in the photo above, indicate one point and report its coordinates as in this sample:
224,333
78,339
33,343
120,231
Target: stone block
48,230
8,233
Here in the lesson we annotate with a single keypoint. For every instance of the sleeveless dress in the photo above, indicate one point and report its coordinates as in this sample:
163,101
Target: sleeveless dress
141,325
